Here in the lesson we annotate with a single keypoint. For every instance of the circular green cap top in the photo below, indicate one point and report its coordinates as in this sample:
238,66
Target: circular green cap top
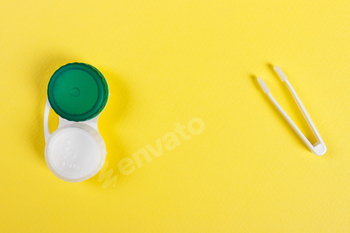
77,92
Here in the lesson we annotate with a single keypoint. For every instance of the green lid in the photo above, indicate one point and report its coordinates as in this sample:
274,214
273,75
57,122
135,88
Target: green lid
77,92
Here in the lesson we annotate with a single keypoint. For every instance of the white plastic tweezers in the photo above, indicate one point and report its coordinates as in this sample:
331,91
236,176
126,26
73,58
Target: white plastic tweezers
319,148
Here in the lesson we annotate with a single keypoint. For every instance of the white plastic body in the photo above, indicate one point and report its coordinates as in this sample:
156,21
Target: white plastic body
75,151
319,148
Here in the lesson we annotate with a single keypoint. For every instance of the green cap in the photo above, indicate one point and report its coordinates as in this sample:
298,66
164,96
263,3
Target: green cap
77,92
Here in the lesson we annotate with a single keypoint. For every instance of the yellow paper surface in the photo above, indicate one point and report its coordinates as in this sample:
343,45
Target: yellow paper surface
168,62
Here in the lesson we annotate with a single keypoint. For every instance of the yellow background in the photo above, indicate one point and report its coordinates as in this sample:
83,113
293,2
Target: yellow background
168,62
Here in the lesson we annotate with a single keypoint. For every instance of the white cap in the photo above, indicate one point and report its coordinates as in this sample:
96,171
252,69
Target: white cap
75,152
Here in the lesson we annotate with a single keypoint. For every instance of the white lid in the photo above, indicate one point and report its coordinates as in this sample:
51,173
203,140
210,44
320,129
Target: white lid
75,152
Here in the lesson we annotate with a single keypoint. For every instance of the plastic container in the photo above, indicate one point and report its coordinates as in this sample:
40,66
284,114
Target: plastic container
78,93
